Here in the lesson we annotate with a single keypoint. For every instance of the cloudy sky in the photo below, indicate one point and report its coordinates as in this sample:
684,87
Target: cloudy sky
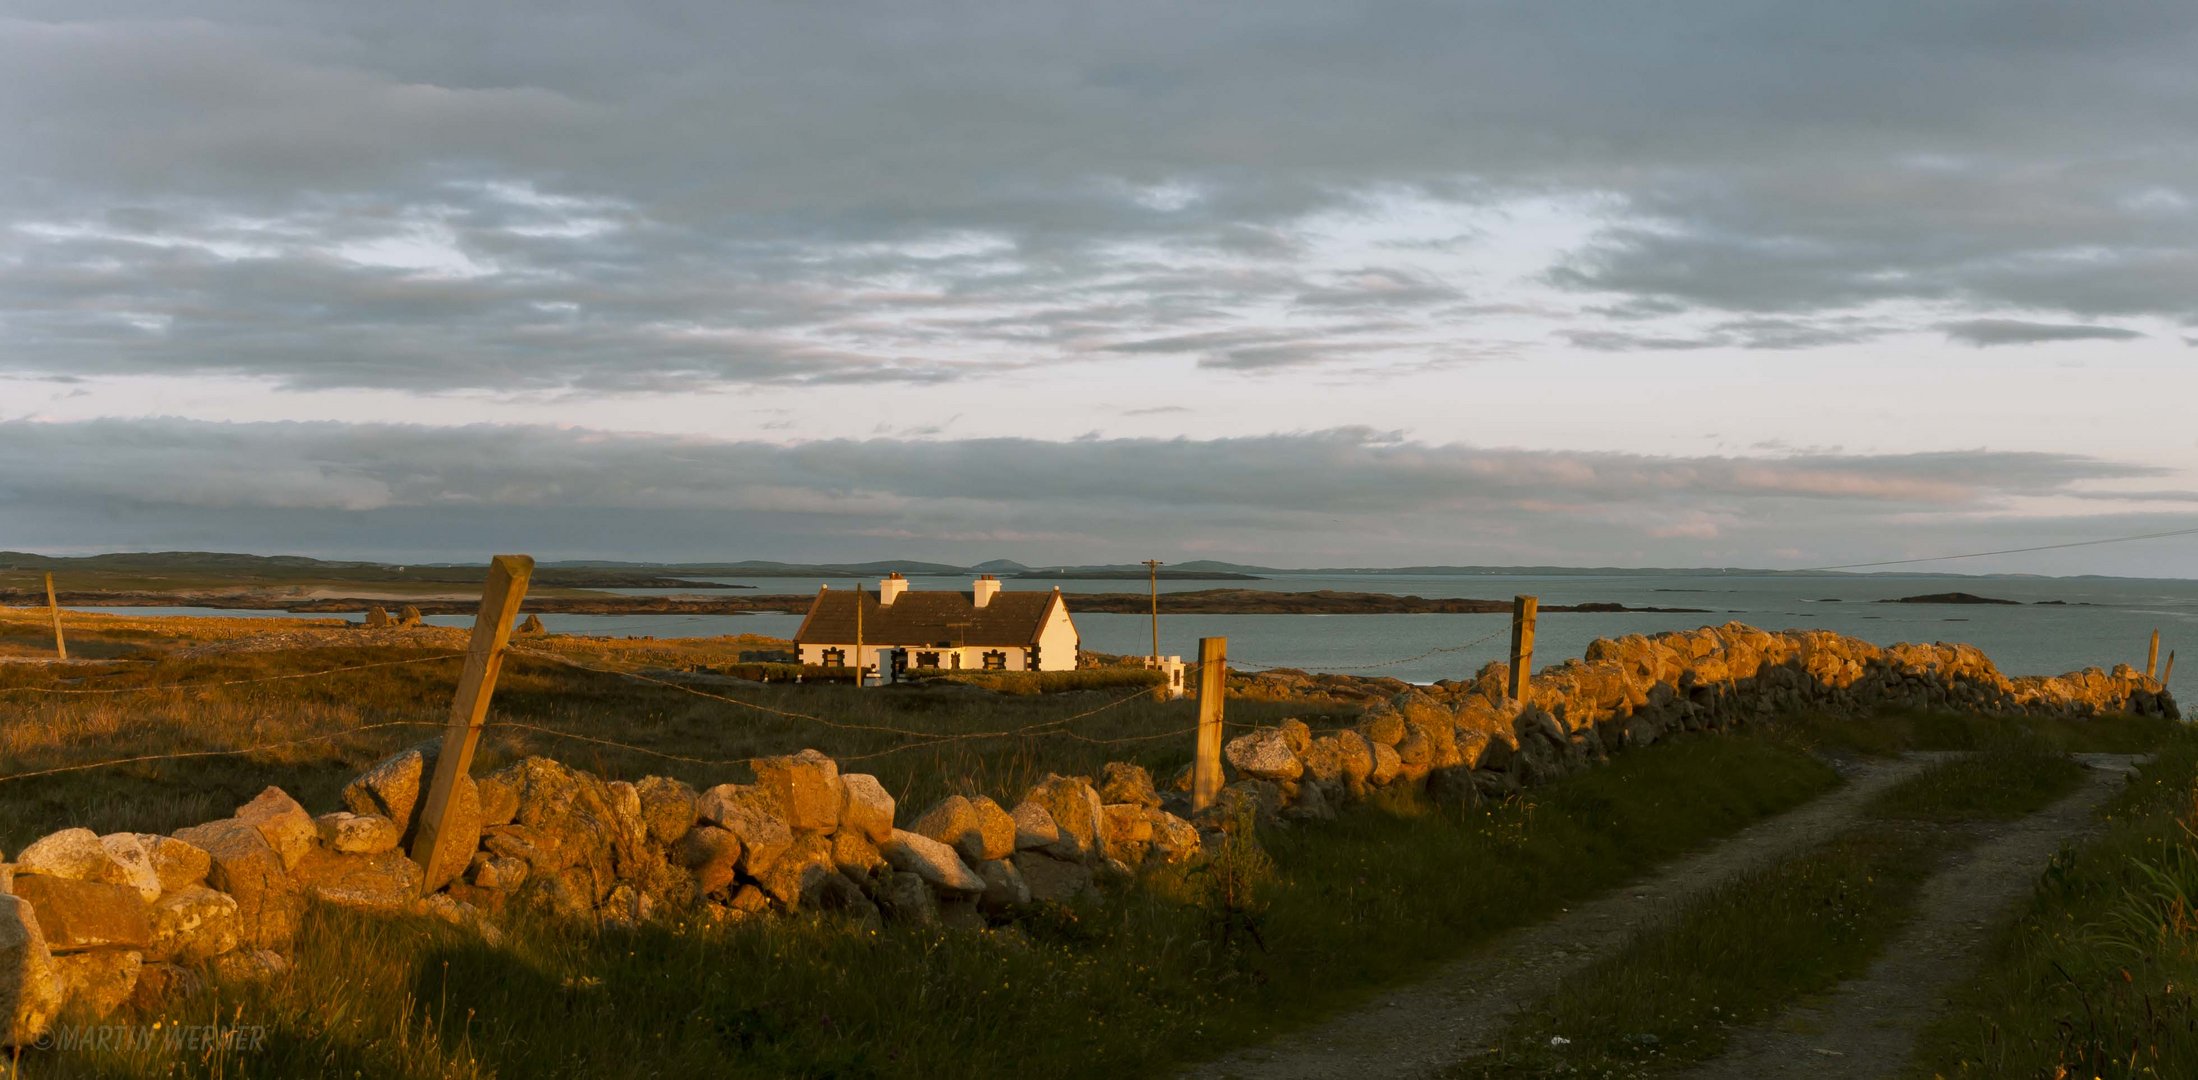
1692,283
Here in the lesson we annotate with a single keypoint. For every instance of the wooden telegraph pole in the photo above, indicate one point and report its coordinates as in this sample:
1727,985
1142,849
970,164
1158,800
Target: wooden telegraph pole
858,637
507,586
1213,687
1152,568
1523,609
60,647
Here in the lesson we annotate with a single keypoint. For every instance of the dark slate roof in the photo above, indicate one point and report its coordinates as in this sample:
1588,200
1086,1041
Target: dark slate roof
927,617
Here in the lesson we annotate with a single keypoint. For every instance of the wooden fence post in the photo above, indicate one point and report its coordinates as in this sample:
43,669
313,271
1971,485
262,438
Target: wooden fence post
1523,609
1213,687
507,585
2152,655
2169,669
60,647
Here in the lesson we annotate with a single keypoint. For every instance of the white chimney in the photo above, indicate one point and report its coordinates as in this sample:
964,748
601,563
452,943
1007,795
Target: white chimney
986,588
892,586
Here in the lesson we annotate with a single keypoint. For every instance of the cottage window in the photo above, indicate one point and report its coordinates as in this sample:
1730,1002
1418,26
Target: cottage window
927,660
835,658
995,660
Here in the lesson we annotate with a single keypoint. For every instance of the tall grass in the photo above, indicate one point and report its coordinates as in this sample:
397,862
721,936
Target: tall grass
2096,979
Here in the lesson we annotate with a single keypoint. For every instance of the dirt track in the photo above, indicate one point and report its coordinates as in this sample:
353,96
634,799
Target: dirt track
1415,1030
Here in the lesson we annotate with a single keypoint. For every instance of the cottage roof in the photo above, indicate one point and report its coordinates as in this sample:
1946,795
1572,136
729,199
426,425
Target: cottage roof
1009,619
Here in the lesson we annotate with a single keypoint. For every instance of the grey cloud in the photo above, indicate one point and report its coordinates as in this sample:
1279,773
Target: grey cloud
173,482
1984,333
758,193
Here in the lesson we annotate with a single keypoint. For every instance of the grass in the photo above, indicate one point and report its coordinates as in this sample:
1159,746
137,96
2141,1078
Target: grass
922,742
2096,978
1187,962
1742,953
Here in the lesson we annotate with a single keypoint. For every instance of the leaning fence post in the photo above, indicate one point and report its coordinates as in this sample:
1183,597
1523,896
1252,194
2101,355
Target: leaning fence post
1213,687
2169,669
507,585
2152,655
60,647
1523,609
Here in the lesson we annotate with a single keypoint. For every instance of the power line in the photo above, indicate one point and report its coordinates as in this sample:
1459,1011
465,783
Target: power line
2004,551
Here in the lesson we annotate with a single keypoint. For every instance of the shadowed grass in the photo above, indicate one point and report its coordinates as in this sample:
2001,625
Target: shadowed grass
2097,976
1176,967
1742,953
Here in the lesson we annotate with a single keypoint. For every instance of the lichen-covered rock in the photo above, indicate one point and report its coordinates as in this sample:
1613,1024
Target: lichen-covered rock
30,991
865,807
1076,813
712,854
996,830
1121,782
1296,735
100,982
1263,755
953,821
1034,827
128,852
75,854
752,813
499,872
193,924
175,862
76,915
384,881
1004,886
1052,880
1173,839
1382,725
1387,765
667,806
1129,832
357,834
855,855
807,786
246,867
1324,759
936,863
576,844
1356,753
286,826
391,788
797,876
499,801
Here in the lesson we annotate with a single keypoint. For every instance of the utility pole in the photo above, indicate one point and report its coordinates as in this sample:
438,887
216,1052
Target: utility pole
1152,569
858,637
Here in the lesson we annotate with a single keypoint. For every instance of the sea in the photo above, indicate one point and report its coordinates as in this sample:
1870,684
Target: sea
2057,625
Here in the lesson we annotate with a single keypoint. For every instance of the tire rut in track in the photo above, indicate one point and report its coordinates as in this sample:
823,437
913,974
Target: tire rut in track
1451,1013
1866,1027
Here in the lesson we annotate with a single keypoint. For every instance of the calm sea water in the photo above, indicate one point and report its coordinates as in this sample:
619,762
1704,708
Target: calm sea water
2101,621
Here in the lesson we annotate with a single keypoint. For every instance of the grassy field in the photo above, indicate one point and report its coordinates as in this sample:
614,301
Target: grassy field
923,743
1186,963
1183,964
2097,977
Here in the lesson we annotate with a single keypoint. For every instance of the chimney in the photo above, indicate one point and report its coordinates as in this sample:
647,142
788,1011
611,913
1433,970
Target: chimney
986,588
892,586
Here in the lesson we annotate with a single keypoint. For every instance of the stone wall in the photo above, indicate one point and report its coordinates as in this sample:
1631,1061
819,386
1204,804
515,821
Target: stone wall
97,921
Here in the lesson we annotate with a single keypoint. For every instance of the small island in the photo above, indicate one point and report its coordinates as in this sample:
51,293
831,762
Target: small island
1949,598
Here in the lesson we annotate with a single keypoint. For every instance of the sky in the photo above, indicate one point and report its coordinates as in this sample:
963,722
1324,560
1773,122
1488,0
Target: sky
1298,284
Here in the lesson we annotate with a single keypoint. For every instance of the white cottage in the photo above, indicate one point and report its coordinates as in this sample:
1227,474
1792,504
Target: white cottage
985,629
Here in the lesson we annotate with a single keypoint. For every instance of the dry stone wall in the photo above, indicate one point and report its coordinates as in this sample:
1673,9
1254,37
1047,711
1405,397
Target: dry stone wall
99,921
